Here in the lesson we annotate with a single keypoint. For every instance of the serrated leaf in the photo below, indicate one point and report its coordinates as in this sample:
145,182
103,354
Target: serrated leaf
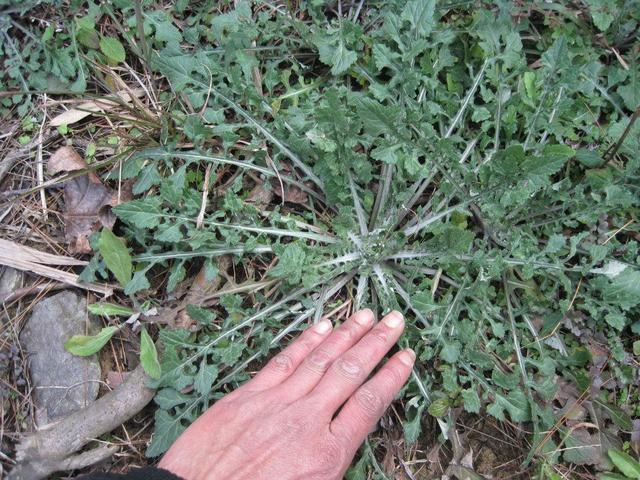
167,430
342,59
109,309
85,345
377,118
149,176
471,400
149,355
115,256
413,427
113,49
168,398
144,213
551,160
200,315
420,14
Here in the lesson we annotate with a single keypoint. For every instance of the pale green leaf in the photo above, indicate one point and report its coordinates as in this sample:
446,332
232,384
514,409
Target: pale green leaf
85,345
625,463
113,49
149,355
115,255
109,309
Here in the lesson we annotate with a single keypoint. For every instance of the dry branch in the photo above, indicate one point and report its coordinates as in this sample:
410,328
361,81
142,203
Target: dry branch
36,262
53,448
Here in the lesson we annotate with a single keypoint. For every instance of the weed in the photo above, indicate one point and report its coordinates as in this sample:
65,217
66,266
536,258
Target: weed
461,165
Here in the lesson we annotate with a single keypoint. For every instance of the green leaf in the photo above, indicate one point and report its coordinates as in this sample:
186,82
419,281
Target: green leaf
342,59
84,345
115,255
149,355
439,407
166,31
550,162
147,179
110,309
619,416
137,283
471,400
420,14
290,263
450,352
167,430
589,158
113,49
377,118
200,315
205,377
413,427
624,289
612,476
625,463
144,213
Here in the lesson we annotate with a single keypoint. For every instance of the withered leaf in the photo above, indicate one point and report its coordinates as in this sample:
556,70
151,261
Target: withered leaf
292,194
86,200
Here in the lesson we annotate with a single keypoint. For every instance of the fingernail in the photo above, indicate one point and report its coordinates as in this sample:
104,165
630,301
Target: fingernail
323,327
364,317
393,320
407,357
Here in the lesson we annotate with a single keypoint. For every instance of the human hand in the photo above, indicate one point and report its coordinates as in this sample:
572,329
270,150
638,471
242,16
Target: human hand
287,422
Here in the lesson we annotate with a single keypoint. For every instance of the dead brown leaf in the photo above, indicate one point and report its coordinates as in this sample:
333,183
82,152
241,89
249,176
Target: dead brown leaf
114,379
292,194
86,200
85,109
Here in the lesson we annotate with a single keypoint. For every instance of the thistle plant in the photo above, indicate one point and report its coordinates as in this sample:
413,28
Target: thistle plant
435,172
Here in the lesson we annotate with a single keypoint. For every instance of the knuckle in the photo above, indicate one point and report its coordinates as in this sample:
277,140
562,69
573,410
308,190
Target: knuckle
332,458
318,361
393,375
380,335
345,333
350,368
370,402
281,363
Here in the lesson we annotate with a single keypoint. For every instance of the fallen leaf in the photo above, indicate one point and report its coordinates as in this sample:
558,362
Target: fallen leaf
260,195
292,194
74,115
86,200
116,378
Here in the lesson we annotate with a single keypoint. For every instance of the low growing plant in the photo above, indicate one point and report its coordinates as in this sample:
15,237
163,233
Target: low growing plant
475,169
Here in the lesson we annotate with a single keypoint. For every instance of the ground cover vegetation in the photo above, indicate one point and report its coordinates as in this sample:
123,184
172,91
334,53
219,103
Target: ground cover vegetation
471,164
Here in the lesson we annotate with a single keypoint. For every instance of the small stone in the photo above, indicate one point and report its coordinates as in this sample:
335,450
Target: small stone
63,383
10,281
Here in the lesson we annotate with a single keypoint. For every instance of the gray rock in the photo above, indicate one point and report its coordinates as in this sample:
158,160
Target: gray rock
10,280
63,383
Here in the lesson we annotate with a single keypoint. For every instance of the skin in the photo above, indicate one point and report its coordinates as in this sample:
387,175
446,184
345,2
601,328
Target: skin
306,413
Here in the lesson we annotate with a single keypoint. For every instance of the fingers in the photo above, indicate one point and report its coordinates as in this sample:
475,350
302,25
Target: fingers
316,364
349,371
361,412
286,362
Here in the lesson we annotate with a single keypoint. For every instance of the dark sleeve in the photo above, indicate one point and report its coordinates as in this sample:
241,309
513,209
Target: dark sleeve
146,473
